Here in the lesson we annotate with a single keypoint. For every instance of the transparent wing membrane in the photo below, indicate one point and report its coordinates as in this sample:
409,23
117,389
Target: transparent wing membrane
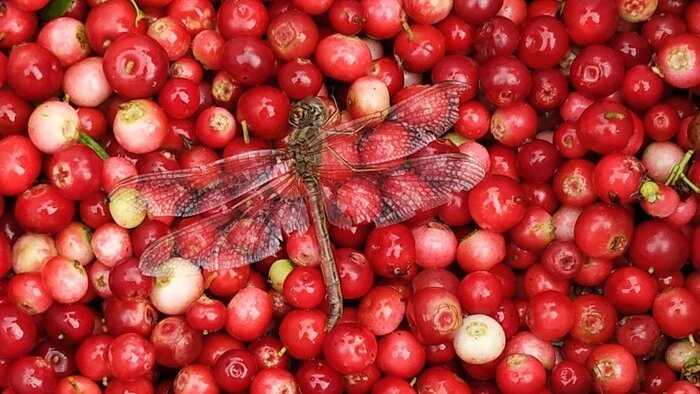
248,232
408,126
191,191
412,186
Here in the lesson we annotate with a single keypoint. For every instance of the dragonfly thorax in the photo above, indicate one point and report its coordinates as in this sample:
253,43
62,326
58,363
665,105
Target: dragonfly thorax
308,112
304,150
306,118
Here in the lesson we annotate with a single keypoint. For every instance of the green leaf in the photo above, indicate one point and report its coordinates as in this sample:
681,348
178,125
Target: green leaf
54,9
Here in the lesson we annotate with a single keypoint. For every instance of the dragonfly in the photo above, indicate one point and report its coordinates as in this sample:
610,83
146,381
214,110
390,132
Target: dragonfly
270,193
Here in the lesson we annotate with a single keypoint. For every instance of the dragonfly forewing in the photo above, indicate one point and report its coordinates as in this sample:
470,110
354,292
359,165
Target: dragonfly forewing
248,232
191,191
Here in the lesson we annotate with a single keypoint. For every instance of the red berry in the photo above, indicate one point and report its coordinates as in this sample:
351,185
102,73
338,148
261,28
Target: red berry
350,348
33,72
130,356
136,66
342,57
590,22
21,337
613,369
248,60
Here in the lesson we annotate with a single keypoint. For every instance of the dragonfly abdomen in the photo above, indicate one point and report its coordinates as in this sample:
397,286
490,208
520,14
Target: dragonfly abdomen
317,211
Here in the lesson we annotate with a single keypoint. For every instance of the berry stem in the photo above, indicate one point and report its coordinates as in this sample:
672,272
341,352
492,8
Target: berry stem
92,144
614,115
689,183
139,14
246,134
407,29
282,351
679,168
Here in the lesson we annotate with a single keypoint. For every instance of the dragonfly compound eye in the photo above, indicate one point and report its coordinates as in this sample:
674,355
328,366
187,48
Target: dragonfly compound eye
296,115
308,112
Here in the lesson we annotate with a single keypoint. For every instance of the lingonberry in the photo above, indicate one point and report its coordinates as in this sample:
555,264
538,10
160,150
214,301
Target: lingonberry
675,60
381,310
108,21
234,370
248,60
675,310
400,354
136,66
590,22
543,42
33,72
22,338
549,89
613,368
20,164
595,319
513,124
172,35
477,12
346,16
239,310
31,374
549,315
354,271
75,171
196,15
269,353
498,36
537,279
179,98
300,78
505,80
130,356
497,203
18,26
459,35
42,209
248,17
176,343
388,71
659,247
343,57
434,315
382,19
638,334
391,250
520,372
350,348
597,71
570,377
265,111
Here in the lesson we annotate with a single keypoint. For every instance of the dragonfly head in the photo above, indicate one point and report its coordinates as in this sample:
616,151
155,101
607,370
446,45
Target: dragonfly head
310,111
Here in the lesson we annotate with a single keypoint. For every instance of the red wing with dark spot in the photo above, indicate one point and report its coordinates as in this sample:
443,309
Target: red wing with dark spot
191,191
248,232
415,185
408,126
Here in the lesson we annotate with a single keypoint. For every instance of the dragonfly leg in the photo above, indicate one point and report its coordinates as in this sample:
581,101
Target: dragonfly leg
364,122
350,166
